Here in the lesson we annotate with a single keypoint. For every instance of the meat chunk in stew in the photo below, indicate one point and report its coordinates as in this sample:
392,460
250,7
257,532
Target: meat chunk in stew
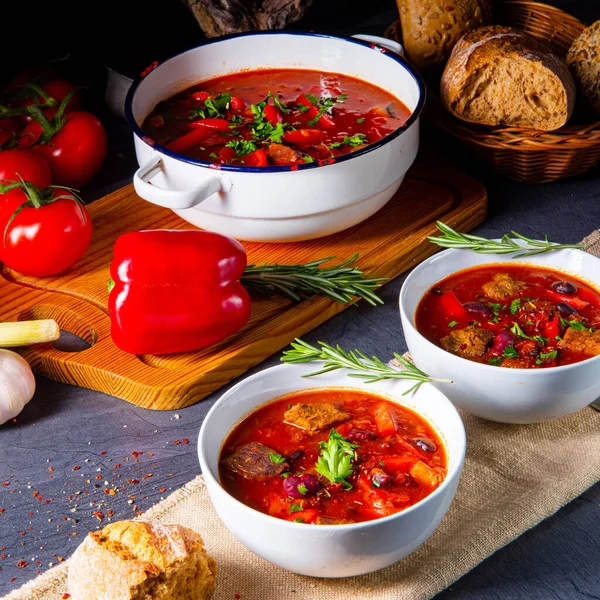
313,417
253,461
584,342
503,287
470,342
283,155
322,520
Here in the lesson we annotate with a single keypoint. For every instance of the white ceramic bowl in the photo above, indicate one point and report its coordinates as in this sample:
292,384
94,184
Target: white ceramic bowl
334,550
276,203
496,393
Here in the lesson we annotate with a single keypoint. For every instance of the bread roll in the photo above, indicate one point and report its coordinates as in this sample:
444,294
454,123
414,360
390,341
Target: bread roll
431,28
141,560
501,76
584,60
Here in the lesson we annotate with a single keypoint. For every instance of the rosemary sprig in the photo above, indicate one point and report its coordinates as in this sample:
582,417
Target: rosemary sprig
368,369
342,282
507,245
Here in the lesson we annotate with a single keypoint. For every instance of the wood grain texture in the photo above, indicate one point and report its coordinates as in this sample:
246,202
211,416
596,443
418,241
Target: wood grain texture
390,242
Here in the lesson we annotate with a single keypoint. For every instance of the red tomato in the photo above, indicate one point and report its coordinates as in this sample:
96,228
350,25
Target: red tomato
58,89
236,104
304,136
76,153
46,240
273,114
28,165
258,158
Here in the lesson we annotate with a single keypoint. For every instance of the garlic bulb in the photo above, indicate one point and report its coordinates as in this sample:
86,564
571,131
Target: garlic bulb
17,384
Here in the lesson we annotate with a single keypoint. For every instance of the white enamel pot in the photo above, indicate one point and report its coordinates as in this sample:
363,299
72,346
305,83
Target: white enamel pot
329,550
277,204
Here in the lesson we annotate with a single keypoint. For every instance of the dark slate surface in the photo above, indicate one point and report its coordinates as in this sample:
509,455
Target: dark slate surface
73,452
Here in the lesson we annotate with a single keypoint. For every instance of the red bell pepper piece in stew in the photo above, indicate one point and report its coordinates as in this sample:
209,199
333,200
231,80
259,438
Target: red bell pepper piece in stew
176,291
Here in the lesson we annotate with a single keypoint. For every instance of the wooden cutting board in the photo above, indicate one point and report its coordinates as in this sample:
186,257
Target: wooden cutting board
390,242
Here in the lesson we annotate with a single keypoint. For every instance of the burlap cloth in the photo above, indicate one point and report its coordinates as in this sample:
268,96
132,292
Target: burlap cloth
513,478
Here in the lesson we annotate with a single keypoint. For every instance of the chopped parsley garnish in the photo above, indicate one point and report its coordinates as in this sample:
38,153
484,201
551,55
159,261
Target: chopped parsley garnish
324,105
335,459
375,483
241,147
302,108
381,464
453,324
515,305
236,120
296,508
518,331
510,352
276,458
546,356
277,102
298,520
353,141
496,361
302,489
213,107
286,474
308,159
361,120
212,155
576,325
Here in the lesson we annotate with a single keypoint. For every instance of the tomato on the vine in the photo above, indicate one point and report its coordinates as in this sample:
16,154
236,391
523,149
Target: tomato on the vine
46,235
76,152
25,164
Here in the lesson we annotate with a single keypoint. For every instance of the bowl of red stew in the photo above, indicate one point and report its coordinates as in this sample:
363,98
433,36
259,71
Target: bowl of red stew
519,337
276,136
331,477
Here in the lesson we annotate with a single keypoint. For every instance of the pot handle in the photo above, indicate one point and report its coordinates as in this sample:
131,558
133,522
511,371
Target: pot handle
175,199
381,41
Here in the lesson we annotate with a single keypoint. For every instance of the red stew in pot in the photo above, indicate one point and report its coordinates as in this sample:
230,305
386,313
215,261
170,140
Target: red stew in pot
274,117
332,457
516,316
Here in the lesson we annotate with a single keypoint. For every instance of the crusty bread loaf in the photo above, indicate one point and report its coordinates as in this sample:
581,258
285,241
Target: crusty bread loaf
501,76
431,28
584,60
141,560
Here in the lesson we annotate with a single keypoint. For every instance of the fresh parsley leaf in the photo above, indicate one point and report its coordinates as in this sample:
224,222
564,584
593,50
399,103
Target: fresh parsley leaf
516,330
510,352
312,99
241,147
303,108
335,459
496,361
576,325
540,339
382,464
549,355
212,155
453,324
302,489
361,120
236,120
213,107
298,520
276,458
515,305
353,141
286,474
308,159
296,508
277,102
341,98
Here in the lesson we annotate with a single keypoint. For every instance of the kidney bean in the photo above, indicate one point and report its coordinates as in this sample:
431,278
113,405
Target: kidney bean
502,341
293,482
480,310
564,287
361,435
297,455
379,478
565,310
425,444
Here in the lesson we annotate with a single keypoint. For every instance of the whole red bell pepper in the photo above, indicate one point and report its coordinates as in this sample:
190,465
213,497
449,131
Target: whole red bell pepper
176,291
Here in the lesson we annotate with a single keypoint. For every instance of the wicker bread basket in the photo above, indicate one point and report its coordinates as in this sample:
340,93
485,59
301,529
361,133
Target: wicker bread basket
528,155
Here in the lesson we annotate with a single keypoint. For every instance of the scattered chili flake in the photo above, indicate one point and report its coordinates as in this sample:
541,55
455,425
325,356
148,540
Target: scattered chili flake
2,510
51,469
150,453
5,483
60,559
66,596
133,481
22,564
40,498
176,442
236,595
110,513
13,579
98,476
117,465
23,533
76,468
185,441
162,490
148,475
3,555
99,515
103,453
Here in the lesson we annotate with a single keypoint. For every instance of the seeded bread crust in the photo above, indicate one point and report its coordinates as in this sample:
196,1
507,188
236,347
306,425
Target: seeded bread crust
431,28
501,76
584,60
141,560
